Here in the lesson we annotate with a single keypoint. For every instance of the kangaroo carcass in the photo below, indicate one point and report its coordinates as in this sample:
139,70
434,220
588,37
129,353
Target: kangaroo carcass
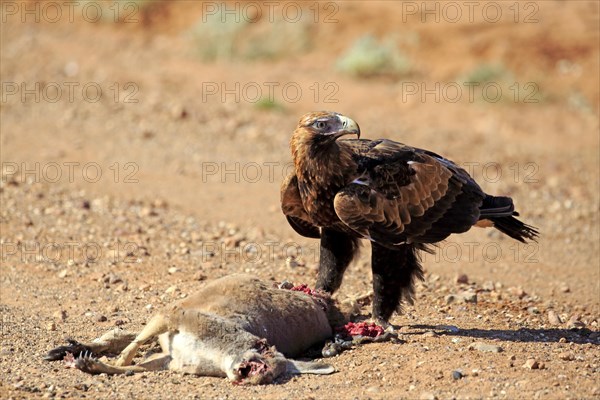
237,327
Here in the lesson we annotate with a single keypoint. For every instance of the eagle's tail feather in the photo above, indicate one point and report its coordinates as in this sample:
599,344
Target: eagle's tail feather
501,212
515,228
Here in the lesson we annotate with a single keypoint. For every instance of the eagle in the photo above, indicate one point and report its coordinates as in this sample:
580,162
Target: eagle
401,198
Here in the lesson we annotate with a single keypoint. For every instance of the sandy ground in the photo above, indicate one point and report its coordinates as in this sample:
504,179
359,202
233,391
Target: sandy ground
114,205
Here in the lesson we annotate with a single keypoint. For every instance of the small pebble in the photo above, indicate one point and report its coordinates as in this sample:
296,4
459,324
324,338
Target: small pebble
532,363
485,347
71,69
172,289
199,276
285,285
469,297
575,323
566,356
60,315
462,278
451,298
448,328
101,318
553,318
291,262
456,375
178,111
519,292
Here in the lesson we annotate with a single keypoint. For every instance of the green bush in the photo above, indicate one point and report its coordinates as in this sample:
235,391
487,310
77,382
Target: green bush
488,73
220,36
367,58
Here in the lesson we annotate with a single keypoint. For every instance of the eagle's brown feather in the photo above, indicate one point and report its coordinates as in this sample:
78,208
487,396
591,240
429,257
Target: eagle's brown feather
291,205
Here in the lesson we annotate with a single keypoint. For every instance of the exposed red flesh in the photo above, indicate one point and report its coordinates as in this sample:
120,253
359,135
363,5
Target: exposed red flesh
303,288
361,328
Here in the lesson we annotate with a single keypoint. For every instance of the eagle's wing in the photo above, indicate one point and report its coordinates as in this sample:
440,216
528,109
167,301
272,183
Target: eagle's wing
407,195
291,205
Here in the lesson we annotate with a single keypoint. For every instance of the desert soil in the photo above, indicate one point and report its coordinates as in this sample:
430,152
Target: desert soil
112,209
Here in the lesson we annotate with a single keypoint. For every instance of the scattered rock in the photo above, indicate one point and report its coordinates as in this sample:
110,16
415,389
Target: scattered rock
532,363
451,298
428,396
82,386
456,375
173,270
145,287
172,289
575,323
291,262
485,347
553,318
101,318
565,289
448,328
286,285
519,292
533,310
71,69
462,278
60,315
51,326
148,134
178,111
199,276
469,296
566,356
111,279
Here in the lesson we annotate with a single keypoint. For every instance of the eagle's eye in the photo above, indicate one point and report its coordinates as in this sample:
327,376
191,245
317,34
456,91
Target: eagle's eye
320,125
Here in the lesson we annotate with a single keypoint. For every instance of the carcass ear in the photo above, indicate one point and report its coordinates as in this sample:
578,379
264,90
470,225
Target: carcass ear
308,367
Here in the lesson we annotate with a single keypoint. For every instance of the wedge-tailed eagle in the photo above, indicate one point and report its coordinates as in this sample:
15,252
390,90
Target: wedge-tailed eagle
400,198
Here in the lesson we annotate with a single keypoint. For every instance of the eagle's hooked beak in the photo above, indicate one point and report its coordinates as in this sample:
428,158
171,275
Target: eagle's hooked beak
349,127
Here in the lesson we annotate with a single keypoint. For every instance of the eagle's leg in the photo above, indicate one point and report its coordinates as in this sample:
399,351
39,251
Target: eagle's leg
337,251
394,275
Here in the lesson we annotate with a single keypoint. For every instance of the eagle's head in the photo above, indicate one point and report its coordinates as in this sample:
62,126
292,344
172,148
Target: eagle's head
321,128
316,151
